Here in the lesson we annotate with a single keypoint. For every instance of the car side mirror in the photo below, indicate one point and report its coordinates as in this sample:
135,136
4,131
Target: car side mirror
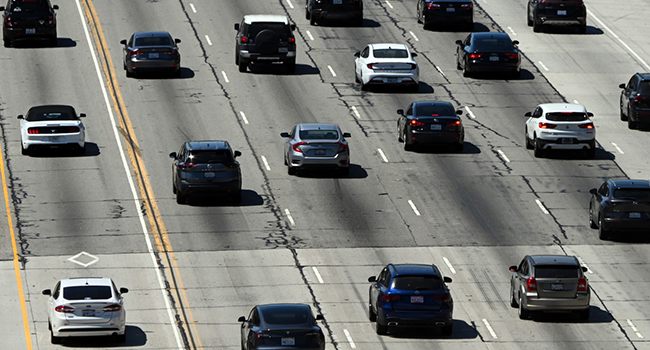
319,317
45,291
172,155
20,116
584,268
124,290
237,154
459,43
528,114
284,134
357,54
513,268
123,42
293,27
593,191
346,134
447,279
56,7
414,54
177,40
236,26
400,111
622,86
82,115
459,112
2,8
515,42
241,319
590,114
372,279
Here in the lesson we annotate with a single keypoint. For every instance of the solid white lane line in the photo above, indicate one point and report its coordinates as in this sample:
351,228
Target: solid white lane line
243,116
389,4
331,71
134,193
309,35
207,38
415,209
543,65
347,335
582,263
469,113
413,35
489,328
541,206
193,8
503,156
440,71
225,77
286,211
318,276
629,49
638,334
355,112
451,268
618,148
290,4
512,31
383,156
266,164
576,102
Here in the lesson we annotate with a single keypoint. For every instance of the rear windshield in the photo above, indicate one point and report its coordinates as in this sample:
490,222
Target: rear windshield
566,117
286,316
556,272
632,193
423,110
493,44
210,156
390,53
153,41
256,27
644,87
50,116
87,292
29,6
319,135
416,282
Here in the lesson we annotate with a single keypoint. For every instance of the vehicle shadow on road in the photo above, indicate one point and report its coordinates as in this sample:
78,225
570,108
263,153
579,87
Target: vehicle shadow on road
525,75
423,88
43,44
186,73
459,28
601,154
92,150
356,172
462,330
249,198
367,23
135,336
629,237
566,30
597,315
468,148
279,69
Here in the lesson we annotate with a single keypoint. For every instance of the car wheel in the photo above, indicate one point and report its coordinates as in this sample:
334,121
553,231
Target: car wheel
372,316
537,27
515,74
24,150
399,135
358,21
381,330
291,65
591,152
448,329
121,338
54,42
53,339
356,77
292,170
458,67
80,150
529,21
312,20
584,314
237,59
592,223
459,147
523,313
603,233
623,116
236,197
582,29
129,74
528,144
513,301
7,42
180,198
307,13
425,24
408,146
539,152
173,189
243,65
630,124
364,87
466,72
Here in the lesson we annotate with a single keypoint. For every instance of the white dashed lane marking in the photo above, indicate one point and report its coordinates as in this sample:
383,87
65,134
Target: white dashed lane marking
290,4
512,31
469,113
451,268
293,223
309,35
389,4
243,116
355,112
415,209
489,328
638,334
266,164
318,276
618,149
591,15
541,206
503,156
576,102
225,77
347,335
543,65
331,70
207,38
414,37
383,156
193,8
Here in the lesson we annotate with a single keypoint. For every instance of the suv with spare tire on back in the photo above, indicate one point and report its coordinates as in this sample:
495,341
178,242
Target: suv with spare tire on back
265,39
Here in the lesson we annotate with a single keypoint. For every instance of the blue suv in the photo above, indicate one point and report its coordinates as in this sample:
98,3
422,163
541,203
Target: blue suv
410,295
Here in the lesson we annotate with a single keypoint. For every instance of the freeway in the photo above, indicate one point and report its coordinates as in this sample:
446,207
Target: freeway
194,269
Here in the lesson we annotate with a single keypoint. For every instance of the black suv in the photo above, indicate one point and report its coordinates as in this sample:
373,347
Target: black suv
620,205
557,12
351,10
635,100
265,39
29,19
206,167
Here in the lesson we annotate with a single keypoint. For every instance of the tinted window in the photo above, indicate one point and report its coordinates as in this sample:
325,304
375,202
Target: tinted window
566,117
319,134
434,110
493,44
87,292
556,272
644,87
35,117
278,28
153,41
416,282
29,6
632,193
210,156
286,315
390,53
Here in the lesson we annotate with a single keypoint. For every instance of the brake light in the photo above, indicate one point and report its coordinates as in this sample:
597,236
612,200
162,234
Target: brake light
342,147
466,6
64,309
416,124
50,19
443,297
391,297
582,284
456,123
312,334
586,126
512,55
370,66
292,39
134,53
9,21
73,129
473,56
296,147
531,283
113,308
172,52
187,165
32,131
231,165
262,335
639,98
244,39
547,126
433,6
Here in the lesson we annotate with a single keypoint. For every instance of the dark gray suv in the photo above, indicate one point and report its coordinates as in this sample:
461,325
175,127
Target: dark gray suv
203,168
265,39
635,100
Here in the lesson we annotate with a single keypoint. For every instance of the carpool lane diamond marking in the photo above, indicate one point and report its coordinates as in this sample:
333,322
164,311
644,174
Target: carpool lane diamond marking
85,256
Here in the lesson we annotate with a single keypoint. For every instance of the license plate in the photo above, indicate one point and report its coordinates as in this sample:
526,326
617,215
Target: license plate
417,300
319,152
392,80
30,31
635,215
494,58
338,2
154,55
288,341
557,286
436,127
209,175
451,9
561,12
567,141
54,138
88,313
283,49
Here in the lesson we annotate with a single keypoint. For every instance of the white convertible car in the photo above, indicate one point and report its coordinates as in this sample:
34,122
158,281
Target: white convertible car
52,126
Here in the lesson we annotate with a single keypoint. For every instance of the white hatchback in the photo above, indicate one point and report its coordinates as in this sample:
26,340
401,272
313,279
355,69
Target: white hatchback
52,126
86,307
386,64
560,126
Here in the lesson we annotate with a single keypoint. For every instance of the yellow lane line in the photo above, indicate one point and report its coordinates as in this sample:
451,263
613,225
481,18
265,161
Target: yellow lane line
146,191
19,280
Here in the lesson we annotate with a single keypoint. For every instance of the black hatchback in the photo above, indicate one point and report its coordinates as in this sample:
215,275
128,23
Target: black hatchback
29,19
557,13
349,10
635,100
620,205
488,52
430,122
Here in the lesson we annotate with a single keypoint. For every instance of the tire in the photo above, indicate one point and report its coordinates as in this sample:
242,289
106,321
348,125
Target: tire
7,42
448,329
459,147
458,67
129,74
236,197
345,172
358,21
372,316
307,13
513,301
529,21
381,330
425,25
582,29
121,338
515,75
243,65
364,87
399,135
236,59
24,151
173,189
591,152
54,42
623,116
180,199
592,223
528,144
537,27
630,124
408,147
292,170
80,150
53,339
603,233
523,313
466,72
539,152
312,20
584,314
291,65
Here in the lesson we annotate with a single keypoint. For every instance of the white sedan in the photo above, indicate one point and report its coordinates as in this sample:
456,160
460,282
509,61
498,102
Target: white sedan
386,64
86,307
560,126
51,126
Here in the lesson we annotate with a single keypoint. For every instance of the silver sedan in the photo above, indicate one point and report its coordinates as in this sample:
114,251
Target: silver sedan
316,146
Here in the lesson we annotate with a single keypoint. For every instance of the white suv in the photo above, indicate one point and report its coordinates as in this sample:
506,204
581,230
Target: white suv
85,307
560,126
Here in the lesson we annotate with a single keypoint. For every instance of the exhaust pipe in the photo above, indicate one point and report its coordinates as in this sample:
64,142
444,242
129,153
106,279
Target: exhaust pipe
440,324
392,324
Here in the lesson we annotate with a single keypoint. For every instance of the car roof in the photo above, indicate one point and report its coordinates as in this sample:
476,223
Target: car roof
77,281
150,34
52,108
563,107
644,76
248,19
282,306
631,183
415,269
490,35
554,260
317,126
417,103
388,46
207,145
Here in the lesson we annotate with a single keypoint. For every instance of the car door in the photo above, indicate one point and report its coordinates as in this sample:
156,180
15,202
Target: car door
598,198
403,119
531,123
360,61
289,142
628,93
53,299
520,277
180,156
377,288
461,50
247,333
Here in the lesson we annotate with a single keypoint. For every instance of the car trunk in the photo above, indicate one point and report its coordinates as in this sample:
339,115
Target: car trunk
89,311
290,336
633,202
418,293
320,149
156,52
31,19
210,172
454,6
556,281
392,67
559,9
338,5
438,124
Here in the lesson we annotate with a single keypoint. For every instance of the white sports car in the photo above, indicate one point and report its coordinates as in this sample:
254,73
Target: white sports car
386,64
52,125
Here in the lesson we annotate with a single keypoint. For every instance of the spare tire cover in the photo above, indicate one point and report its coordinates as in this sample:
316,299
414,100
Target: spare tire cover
267,41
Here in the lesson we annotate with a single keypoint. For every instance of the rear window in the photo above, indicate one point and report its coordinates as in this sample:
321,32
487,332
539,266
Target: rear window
51,116
286,316
256,27
566,117
556,272
153,41
87,293
210,156
493,44
632,193
644,87
390,53
29,6
423,110
416,283
319,135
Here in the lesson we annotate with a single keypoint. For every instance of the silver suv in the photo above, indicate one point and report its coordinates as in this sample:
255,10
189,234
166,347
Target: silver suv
549,283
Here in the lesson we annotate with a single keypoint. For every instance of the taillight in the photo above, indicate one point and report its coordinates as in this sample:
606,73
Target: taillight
32,131
244,39
262,335
473,56
342,147
64,309
453,124
172,52
466,6
433,6
296,147
232,165
50,19
586,126
582,284
443,297
292,40
639,98
312,334
531,283
134,53
414,65
416,124
73,129
187,165
547,125
370,66
113,308
9,21
512,55
391,297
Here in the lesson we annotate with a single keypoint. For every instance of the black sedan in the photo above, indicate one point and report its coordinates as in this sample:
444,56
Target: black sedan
488,52
620,205
557,13
445,12
635,100
275,326
151,51
430,122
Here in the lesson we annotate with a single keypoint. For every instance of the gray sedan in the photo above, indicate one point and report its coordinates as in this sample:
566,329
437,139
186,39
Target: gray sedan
316,146
151,51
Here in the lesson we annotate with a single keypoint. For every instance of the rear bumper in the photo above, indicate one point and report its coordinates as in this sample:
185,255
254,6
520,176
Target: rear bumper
558,143
340,161
88,330
54,140
20,33
142,65
616,224
208,188
435,137
395,318
255,57
533,303
561,20
640,115
339,14
492,67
